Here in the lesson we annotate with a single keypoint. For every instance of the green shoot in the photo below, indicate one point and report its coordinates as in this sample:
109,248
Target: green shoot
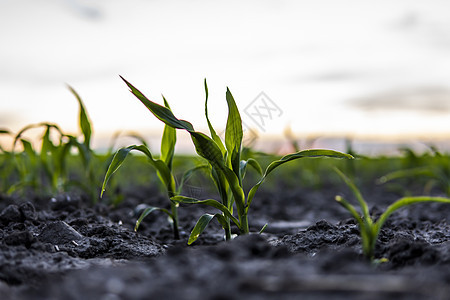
50,161
164,174
163,167
369,228
227,168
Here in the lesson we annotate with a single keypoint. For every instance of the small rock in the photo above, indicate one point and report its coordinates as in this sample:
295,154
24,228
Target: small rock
19,238
321,225
58,233
11,214
28,211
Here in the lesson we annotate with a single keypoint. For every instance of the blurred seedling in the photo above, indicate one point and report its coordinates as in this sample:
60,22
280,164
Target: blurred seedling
435,170
7,165
370,228
46,167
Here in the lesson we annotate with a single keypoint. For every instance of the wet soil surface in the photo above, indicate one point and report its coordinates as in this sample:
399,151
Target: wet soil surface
61,248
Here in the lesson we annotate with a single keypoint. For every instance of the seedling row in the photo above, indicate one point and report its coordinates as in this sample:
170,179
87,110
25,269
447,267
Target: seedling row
231,172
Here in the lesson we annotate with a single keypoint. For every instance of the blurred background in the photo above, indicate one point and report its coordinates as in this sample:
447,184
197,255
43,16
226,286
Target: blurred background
318,72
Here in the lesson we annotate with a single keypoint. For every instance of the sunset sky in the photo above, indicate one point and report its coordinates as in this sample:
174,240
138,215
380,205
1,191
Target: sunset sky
326,68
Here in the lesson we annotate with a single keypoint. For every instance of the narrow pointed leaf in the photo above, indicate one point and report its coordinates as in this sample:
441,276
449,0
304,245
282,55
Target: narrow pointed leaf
115,164
301,154
207,149
351,209
148,211
357,193
168,142
162,113
28,148
365,226
263,228
214,135
83,120
233,133
421,171
199,227
252,162
222,186
201,224
209,202
406,201
160,166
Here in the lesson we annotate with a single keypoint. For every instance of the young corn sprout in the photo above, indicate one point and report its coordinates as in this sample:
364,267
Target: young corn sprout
163,167
437,171
6,162
369,228
225,163
51,160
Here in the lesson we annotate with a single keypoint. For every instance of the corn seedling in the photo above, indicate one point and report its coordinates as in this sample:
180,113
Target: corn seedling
30,163
163,167
50,161
84,148
7,165
117,197
227,168
437,171
369,228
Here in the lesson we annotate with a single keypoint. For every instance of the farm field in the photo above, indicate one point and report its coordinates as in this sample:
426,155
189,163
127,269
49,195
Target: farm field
229,222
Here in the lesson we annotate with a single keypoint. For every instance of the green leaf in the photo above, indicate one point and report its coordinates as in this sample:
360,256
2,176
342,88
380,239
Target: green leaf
115,164
28,148
84,152
208,149
83,120
222,187
252,162
306,153
414,172
255,164
357,193
164,172
31,126
209,202
148,211
405,201
214,135
233,134
365,225
168,142
162,113
199,227
201,224
351,209
293,156
263,228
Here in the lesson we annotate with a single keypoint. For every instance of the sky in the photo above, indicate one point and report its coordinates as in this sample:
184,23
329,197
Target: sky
321,68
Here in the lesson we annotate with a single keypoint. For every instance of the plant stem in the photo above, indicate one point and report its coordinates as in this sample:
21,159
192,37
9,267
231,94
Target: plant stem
228,231
174,208
244,224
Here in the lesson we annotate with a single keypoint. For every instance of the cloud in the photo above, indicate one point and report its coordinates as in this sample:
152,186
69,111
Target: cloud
425,99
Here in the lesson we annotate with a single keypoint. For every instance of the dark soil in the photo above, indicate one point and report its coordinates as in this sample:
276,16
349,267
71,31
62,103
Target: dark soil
61,248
